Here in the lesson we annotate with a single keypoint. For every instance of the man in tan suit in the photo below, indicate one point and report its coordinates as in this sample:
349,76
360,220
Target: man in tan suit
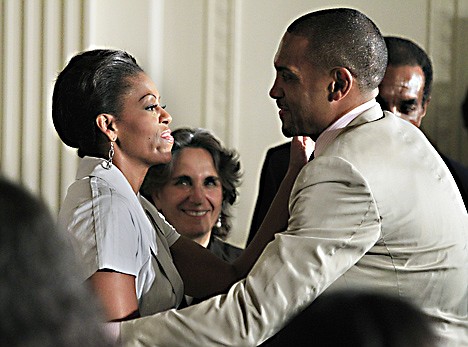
376,209
405,91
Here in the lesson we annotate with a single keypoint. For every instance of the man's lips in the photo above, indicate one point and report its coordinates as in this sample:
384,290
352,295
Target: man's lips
282,108
166,135
282,111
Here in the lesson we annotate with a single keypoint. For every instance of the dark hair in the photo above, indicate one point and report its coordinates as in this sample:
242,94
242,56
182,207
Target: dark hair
405,52
42,300
92,83
361,319
347,38
226,162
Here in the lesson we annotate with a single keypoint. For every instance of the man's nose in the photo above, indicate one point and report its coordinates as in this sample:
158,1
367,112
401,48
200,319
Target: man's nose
275,91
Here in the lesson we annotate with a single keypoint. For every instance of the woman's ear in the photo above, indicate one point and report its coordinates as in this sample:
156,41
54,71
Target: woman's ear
106,123
156,200
341,83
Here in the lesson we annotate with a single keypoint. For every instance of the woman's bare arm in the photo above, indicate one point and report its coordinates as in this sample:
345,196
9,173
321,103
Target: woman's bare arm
203,273
116,291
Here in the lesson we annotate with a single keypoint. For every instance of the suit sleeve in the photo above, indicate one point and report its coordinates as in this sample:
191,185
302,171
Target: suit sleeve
334,221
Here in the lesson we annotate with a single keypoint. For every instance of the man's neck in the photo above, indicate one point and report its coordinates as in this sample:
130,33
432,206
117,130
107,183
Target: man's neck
330,133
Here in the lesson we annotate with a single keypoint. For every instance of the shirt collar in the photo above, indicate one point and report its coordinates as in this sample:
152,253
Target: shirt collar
93,167
330,133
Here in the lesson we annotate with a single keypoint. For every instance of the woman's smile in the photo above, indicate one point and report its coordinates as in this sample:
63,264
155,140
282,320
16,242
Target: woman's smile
195,213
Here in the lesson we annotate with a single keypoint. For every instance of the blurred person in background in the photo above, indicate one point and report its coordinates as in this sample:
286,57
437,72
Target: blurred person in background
43,301
358,319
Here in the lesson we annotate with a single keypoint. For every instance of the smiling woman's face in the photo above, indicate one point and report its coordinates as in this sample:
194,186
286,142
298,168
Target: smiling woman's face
191,200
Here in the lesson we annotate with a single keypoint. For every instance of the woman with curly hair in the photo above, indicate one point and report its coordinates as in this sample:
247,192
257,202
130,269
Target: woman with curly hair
197,188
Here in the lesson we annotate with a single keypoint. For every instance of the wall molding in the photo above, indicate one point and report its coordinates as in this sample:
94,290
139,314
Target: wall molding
221,85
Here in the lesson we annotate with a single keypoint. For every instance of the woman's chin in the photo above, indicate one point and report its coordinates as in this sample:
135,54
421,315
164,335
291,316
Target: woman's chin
163,158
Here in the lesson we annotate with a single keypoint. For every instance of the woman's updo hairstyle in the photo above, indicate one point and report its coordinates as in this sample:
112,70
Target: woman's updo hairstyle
92,83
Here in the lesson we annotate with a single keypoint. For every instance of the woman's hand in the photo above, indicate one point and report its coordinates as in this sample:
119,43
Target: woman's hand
301,150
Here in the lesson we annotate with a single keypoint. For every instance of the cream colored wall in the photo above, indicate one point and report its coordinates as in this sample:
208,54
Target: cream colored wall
212,62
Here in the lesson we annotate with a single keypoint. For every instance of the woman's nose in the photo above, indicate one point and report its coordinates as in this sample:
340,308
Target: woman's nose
165,117
196,194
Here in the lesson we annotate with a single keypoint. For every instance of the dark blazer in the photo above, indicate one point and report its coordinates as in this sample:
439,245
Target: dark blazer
273,171
223,249
460,174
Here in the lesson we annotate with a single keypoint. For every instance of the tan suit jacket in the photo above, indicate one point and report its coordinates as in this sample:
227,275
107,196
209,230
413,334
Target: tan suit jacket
377,209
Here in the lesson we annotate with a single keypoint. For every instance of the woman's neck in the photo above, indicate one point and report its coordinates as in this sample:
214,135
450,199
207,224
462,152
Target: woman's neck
203,240
133,172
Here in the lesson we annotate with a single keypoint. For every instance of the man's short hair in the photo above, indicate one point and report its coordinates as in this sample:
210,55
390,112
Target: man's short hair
405,52
347,38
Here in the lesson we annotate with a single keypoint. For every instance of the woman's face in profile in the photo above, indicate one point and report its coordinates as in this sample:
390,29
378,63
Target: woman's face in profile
143,134
191,200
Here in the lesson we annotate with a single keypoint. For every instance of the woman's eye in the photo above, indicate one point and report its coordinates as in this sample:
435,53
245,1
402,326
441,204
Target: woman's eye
211,181
151,107
182,181
154,107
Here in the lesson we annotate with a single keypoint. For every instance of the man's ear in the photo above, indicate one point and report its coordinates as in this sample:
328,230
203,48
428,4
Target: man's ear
423,112
106,123
424,106
341,83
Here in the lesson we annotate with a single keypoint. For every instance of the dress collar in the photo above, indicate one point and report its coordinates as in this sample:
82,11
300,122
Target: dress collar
93,167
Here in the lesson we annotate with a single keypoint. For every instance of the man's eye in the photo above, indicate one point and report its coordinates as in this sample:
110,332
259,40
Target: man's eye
287,76
408,109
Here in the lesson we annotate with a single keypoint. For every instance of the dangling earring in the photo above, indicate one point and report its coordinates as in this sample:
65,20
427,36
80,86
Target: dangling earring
108,163
218,223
